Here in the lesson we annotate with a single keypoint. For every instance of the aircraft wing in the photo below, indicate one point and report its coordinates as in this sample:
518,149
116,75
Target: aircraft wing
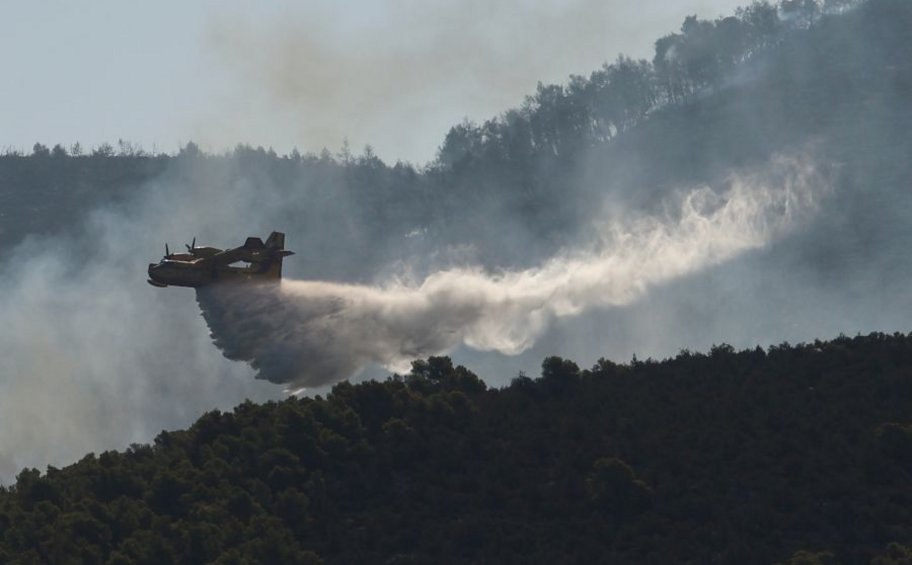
263,255
231,256
254,251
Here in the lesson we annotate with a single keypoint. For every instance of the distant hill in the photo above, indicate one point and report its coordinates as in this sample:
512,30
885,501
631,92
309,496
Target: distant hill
729,457
718,96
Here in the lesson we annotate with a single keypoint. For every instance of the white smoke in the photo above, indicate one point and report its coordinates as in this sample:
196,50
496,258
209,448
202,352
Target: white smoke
308,333
92,358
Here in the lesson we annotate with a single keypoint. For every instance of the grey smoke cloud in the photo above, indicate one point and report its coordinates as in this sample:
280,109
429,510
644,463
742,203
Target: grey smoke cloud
91,357
397,75
308,333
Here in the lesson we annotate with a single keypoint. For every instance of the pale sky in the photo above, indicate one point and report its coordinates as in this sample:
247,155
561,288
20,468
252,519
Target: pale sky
307,74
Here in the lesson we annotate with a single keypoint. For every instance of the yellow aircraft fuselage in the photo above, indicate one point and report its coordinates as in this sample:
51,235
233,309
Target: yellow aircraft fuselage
201,266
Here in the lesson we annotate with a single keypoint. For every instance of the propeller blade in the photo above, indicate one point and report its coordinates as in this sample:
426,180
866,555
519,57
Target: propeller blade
167,251
193,245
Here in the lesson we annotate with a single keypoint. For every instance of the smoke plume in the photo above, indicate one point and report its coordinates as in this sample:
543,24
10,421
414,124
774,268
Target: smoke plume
412,69
308,333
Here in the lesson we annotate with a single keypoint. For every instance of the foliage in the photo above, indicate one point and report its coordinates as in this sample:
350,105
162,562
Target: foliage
802,557
733,456
895,554
795,66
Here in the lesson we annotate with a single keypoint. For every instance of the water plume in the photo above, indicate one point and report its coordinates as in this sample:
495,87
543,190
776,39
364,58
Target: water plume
311,333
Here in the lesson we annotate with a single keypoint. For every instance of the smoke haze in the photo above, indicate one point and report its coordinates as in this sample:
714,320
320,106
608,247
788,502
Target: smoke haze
315,333
92,358
399,75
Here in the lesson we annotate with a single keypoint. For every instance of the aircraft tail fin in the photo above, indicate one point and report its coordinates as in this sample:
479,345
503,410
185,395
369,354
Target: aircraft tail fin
276,242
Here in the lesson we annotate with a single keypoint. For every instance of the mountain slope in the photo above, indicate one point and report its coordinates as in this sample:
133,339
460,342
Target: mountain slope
730,457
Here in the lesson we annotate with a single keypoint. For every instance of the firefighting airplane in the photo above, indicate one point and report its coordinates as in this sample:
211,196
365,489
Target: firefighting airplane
201,266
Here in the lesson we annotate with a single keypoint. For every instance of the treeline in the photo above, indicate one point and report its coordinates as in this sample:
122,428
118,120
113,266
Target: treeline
610,101
617,97
516,188
796,454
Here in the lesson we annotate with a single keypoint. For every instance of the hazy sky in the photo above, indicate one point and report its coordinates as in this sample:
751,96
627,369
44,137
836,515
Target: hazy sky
301,74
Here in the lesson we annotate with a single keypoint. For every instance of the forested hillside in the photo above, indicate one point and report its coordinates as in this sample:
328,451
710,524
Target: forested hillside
725,457
794,454
719,95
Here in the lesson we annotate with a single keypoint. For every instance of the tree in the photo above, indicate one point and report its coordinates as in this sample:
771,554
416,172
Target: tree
895,554
103,150
369,159
345,155
896,441
763,26
40,151
803,557
459,144
669,69
190,151
615,489
557,374
699,52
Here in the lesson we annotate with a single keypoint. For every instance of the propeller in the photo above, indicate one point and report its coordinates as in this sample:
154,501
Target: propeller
191,246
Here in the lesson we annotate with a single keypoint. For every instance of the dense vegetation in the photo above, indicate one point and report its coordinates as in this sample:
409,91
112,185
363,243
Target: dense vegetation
726,457
718,95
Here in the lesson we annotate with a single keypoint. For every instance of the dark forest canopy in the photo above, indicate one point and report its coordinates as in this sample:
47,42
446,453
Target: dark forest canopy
798,454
